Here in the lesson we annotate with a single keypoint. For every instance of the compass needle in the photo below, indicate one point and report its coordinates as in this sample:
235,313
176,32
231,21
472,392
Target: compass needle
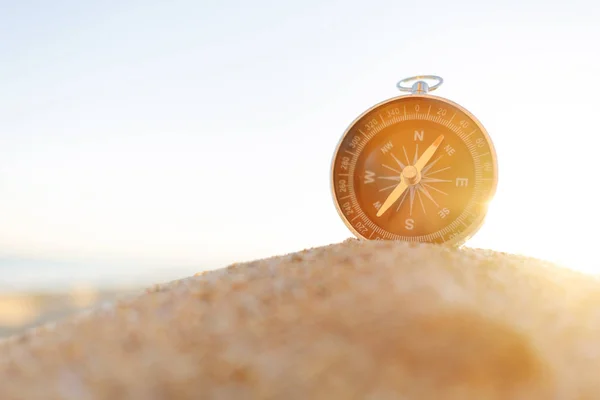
391,199
423,161
427,154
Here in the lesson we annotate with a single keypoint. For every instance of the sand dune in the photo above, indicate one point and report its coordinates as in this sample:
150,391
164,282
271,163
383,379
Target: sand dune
354,320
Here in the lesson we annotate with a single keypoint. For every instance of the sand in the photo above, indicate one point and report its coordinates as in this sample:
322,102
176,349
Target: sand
353,320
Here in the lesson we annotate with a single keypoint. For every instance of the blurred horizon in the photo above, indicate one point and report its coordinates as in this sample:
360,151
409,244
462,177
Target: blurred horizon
49,275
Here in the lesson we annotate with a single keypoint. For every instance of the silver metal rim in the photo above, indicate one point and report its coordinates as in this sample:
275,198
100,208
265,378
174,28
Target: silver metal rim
438,79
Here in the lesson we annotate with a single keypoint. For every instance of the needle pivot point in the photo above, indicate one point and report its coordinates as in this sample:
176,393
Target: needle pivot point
411,175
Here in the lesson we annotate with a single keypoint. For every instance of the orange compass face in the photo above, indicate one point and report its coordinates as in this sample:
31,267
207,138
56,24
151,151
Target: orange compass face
414,168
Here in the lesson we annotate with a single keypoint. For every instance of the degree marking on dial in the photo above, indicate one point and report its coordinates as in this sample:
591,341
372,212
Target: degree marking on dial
343,174
351,153
454,115
429,110
456,129
374,227
481,155
345,197
467,136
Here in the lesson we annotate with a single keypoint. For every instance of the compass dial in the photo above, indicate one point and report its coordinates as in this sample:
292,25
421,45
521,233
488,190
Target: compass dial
414,168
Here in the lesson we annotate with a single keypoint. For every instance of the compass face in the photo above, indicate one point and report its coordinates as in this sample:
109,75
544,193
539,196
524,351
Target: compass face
414,168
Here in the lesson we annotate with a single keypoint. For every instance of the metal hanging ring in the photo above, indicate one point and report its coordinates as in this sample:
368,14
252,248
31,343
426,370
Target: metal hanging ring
438,79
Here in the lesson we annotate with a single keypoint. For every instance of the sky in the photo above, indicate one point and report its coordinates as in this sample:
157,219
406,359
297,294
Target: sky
144,136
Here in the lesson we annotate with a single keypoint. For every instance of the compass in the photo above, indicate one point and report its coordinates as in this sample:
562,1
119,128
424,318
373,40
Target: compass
416,167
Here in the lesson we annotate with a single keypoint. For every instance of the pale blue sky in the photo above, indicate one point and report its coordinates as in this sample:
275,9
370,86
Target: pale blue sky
199,133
